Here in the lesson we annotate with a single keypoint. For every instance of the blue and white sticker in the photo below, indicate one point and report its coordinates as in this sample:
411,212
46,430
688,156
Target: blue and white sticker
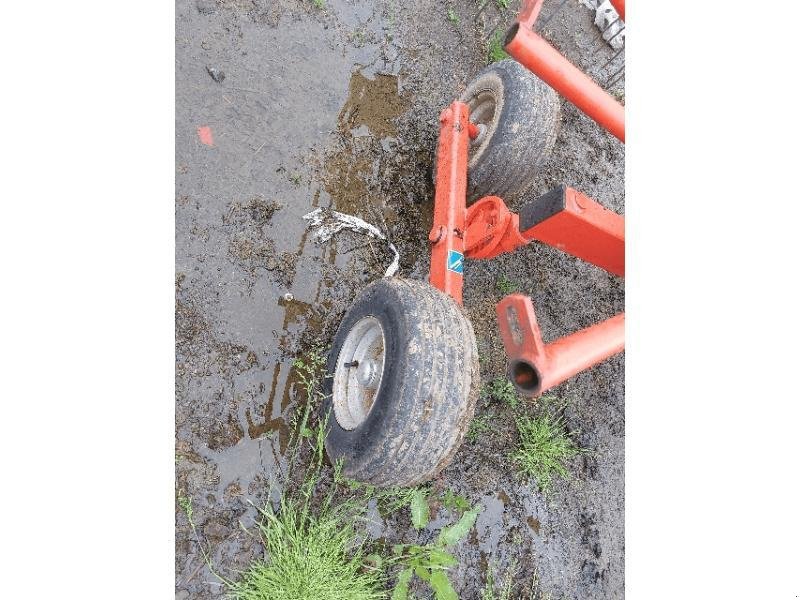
455,261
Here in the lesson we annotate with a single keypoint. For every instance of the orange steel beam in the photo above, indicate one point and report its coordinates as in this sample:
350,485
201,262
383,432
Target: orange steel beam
533,52
535,367
574,223
450,201
619,6
529,11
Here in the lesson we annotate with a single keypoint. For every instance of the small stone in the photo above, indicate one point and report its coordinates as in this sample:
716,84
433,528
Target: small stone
182,595
288,297
216,74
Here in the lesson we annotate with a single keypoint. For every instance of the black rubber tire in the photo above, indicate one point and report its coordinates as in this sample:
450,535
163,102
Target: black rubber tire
519,134
428,391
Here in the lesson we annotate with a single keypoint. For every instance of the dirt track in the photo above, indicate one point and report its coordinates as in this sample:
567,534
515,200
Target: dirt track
338,107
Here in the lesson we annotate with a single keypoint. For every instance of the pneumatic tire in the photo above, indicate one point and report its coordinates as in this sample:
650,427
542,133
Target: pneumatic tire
401,386
520,115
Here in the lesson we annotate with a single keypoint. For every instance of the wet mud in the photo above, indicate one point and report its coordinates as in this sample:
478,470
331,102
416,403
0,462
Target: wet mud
338,107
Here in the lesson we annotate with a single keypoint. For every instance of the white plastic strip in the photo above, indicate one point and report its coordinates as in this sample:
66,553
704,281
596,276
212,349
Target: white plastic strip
329,222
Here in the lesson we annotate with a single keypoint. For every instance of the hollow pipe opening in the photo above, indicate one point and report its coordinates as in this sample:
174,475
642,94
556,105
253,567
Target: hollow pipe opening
511,33
525,377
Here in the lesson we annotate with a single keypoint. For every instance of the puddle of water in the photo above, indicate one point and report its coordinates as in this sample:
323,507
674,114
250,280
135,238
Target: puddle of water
282,398
246,462
489,524
241,243
354,171
373,103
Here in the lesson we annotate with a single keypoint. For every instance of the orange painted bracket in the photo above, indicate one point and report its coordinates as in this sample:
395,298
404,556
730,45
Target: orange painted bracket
574,223
563,218
534,53
492,229
450,202
535,367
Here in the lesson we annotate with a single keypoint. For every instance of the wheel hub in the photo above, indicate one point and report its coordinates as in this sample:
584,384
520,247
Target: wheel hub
367,374
359,372
482,112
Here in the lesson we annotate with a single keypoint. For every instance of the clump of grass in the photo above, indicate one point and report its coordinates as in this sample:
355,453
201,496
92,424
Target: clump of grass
389,500
501,4
309,556
310,367
392,499
309,370
490,591
503,390
452,16
359,36
534,593
186,506
505,285
494,49
310,552
544,449
318,3
477,427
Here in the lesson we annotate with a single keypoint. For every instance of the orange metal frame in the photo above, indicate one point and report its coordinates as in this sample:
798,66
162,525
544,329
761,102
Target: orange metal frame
447,233
532,51
563,218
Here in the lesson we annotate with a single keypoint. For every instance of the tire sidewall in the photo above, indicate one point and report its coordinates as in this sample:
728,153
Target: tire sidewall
520,139
354,443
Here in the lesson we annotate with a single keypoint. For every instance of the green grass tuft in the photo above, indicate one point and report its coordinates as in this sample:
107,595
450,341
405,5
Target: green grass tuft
186,505
318,3
544,449
501,4
490,591
494,49
309,556
479,425
454,502
501,389
505,285
453,17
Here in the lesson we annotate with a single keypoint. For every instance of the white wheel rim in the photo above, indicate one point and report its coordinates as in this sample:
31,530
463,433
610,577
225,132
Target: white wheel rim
359,372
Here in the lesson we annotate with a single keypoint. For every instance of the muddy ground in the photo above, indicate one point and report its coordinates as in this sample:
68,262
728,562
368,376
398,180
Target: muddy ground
338,107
